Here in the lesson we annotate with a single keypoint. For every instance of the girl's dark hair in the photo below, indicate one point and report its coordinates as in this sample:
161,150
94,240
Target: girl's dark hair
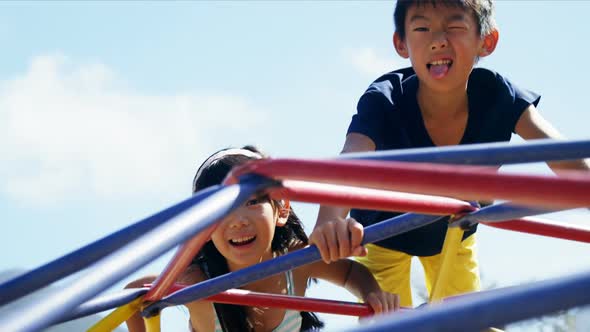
483,11
233,318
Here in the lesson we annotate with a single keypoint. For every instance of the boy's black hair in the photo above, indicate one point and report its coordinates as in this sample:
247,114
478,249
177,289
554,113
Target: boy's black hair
483,11
233,318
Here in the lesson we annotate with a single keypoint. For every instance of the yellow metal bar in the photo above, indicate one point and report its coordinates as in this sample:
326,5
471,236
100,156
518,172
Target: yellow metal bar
117,317
449,252
152,324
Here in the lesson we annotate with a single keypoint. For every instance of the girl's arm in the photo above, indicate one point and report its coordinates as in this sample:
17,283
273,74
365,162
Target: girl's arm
202,314
200,311
135,322
358,280
531,125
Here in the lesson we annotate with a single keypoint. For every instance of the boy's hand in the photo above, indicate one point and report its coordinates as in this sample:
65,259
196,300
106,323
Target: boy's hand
382,302
338,239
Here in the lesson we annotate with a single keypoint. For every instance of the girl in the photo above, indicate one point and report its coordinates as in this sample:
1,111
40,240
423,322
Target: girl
258,231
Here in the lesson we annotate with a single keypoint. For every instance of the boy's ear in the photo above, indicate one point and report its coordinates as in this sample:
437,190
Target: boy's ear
489,43
284,208
400,46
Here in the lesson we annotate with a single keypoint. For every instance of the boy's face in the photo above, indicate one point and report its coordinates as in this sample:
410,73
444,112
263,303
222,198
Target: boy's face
443,44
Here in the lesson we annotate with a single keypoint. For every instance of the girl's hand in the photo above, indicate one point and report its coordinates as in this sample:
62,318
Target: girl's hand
338,239
382,302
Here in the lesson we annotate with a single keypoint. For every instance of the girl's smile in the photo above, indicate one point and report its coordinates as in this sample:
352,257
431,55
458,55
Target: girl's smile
242,241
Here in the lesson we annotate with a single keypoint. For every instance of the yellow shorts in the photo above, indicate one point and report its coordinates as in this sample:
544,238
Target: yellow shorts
391,268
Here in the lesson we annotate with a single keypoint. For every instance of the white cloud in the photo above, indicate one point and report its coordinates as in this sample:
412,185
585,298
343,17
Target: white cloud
69,129
372,64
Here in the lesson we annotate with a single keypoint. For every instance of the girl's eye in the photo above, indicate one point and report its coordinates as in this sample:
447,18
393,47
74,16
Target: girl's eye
457,28
252,201
421,29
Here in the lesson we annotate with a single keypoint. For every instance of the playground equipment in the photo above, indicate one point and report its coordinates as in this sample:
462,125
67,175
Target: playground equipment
357,180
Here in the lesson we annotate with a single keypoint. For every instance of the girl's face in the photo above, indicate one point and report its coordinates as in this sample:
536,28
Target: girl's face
244,237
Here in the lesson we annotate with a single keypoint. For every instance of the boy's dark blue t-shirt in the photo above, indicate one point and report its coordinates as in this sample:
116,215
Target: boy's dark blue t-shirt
389,114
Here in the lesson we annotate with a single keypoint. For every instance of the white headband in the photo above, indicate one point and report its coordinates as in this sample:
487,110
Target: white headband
220,154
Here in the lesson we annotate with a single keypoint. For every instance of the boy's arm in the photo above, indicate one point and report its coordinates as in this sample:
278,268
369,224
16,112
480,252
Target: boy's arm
357,279
531,125
334,238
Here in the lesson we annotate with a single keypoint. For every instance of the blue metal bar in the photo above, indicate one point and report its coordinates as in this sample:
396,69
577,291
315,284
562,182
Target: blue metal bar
498,213
373,233
105,302
133,256
114,300
486,153
75,261
492,308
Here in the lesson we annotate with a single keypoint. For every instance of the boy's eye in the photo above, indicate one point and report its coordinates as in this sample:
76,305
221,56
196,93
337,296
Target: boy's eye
421,29
456,28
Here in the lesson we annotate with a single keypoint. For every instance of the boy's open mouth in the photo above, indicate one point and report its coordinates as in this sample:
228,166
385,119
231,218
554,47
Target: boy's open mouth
439,68
242,241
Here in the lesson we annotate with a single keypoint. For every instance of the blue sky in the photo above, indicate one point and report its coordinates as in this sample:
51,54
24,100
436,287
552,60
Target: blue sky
107,108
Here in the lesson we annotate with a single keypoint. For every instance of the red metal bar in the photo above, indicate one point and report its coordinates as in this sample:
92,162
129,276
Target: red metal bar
299,303
545,227
370,199
181,260
468,182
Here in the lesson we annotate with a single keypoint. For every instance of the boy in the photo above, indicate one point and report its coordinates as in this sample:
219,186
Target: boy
441,100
